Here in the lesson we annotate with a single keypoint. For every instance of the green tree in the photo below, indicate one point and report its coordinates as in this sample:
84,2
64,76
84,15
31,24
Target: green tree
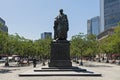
115,38
78,45
92,46
42,47
105,47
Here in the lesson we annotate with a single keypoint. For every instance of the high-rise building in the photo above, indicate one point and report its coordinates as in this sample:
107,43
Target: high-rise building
109,14
89,27
93,26
101,16
3,27
46,35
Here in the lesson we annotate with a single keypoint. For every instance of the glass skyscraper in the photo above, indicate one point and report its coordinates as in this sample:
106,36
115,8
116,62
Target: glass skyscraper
93,26
109,13
3,27
46,35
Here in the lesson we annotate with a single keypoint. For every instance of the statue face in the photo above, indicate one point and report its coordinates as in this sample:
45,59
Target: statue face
61,11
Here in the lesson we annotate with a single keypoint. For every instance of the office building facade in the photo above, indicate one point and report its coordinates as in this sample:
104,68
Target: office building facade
46,35
89,27
3,26
109,14
93,26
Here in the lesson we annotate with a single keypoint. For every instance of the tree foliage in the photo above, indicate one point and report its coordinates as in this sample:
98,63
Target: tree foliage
15,44
83,45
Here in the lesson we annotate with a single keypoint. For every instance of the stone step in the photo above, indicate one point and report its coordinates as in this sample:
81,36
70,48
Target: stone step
58,74
77,70
73,67
59,71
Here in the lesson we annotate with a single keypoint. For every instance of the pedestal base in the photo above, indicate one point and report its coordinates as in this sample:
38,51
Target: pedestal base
60,63
60,54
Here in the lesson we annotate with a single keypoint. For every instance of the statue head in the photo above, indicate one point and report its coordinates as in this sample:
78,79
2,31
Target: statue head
61,11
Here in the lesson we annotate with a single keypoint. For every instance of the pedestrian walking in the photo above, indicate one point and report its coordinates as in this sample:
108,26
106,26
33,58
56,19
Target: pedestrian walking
34,62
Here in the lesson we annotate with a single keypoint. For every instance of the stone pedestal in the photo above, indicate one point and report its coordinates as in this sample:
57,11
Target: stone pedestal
60,54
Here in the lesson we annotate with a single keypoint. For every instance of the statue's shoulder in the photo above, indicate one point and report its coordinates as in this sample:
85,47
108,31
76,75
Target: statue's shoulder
65,15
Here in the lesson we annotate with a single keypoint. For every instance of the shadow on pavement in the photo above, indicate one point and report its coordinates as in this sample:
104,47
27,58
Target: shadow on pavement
3,71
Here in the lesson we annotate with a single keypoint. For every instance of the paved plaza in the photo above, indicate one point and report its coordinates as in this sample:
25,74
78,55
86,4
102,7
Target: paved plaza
108,71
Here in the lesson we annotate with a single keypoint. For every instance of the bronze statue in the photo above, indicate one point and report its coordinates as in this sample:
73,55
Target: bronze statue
61,26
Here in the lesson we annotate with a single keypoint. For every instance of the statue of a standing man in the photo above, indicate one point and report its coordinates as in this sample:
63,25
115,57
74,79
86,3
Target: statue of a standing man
61,26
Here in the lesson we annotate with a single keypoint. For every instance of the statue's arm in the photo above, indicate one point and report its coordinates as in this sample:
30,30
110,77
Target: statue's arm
55,23
67,23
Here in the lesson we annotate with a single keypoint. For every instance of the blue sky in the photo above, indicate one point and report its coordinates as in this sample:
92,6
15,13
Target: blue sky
30,18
